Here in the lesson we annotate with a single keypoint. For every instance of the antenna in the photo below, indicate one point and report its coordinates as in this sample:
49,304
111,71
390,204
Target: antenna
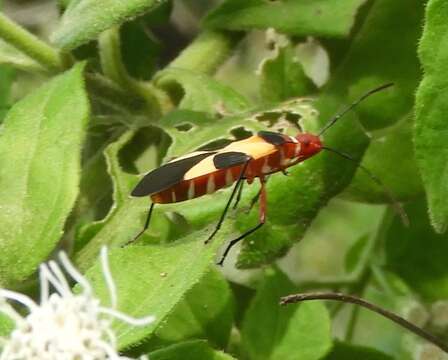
396,205
335,118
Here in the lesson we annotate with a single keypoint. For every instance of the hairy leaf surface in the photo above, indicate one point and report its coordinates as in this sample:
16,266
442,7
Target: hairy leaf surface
331,18
431,109
152,280
84,20
377,55
40,149
190,350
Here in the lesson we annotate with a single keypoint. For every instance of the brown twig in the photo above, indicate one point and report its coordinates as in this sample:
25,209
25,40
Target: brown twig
372,307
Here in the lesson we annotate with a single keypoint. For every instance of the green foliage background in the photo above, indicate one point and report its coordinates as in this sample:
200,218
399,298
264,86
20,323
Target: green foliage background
95,92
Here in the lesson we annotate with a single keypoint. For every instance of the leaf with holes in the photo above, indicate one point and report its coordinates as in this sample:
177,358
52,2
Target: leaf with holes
199,92
316,175
191,130
122,184
291,209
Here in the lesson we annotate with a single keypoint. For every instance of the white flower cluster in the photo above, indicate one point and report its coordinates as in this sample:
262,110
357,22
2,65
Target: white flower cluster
64,325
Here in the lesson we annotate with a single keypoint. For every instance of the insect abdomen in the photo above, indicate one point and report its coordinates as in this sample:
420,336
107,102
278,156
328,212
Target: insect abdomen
196,187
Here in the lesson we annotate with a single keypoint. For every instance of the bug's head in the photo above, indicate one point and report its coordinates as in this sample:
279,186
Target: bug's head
309,145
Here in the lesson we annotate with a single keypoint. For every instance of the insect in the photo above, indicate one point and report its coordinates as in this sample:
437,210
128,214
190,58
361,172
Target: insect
204,172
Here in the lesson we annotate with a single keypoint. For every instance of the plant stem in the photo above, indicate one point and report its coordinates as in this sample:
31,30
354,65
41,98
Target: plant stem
114,96
112,64
207,52
23,40
369,306
109,45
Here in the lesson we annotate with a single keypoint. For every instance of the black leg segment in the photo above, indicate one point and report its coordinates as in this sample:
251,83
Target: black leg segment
145,227
238,196
235,241
232,195
262,219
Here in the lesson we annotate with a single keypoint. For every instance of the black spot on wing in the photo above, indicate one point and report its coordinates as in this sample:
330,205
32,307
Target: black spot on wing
167,175
229,159
272,137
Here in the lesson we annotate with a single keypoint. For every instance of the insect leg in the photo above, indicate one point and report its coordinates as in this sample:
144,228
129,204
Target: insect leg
262,219
148,218
254,201
232,195
256,197
238,196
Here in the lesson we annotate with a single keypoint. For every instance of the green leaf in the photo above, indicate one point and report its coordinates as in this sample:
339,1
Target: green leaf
431,109
377,56
189,350
390,157
282,76
329,18
152,280
40,148
199,92
344,351
418,255
84,20
271,331
206,312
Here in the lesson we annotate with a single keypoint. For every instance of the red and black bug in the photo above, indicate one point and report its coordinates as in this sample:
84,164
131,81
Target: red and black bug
204,172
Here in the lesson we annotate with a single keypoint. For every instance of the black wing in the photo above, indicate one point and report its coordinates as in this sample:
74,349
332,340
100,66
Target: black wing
229,159
167,175
272,137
